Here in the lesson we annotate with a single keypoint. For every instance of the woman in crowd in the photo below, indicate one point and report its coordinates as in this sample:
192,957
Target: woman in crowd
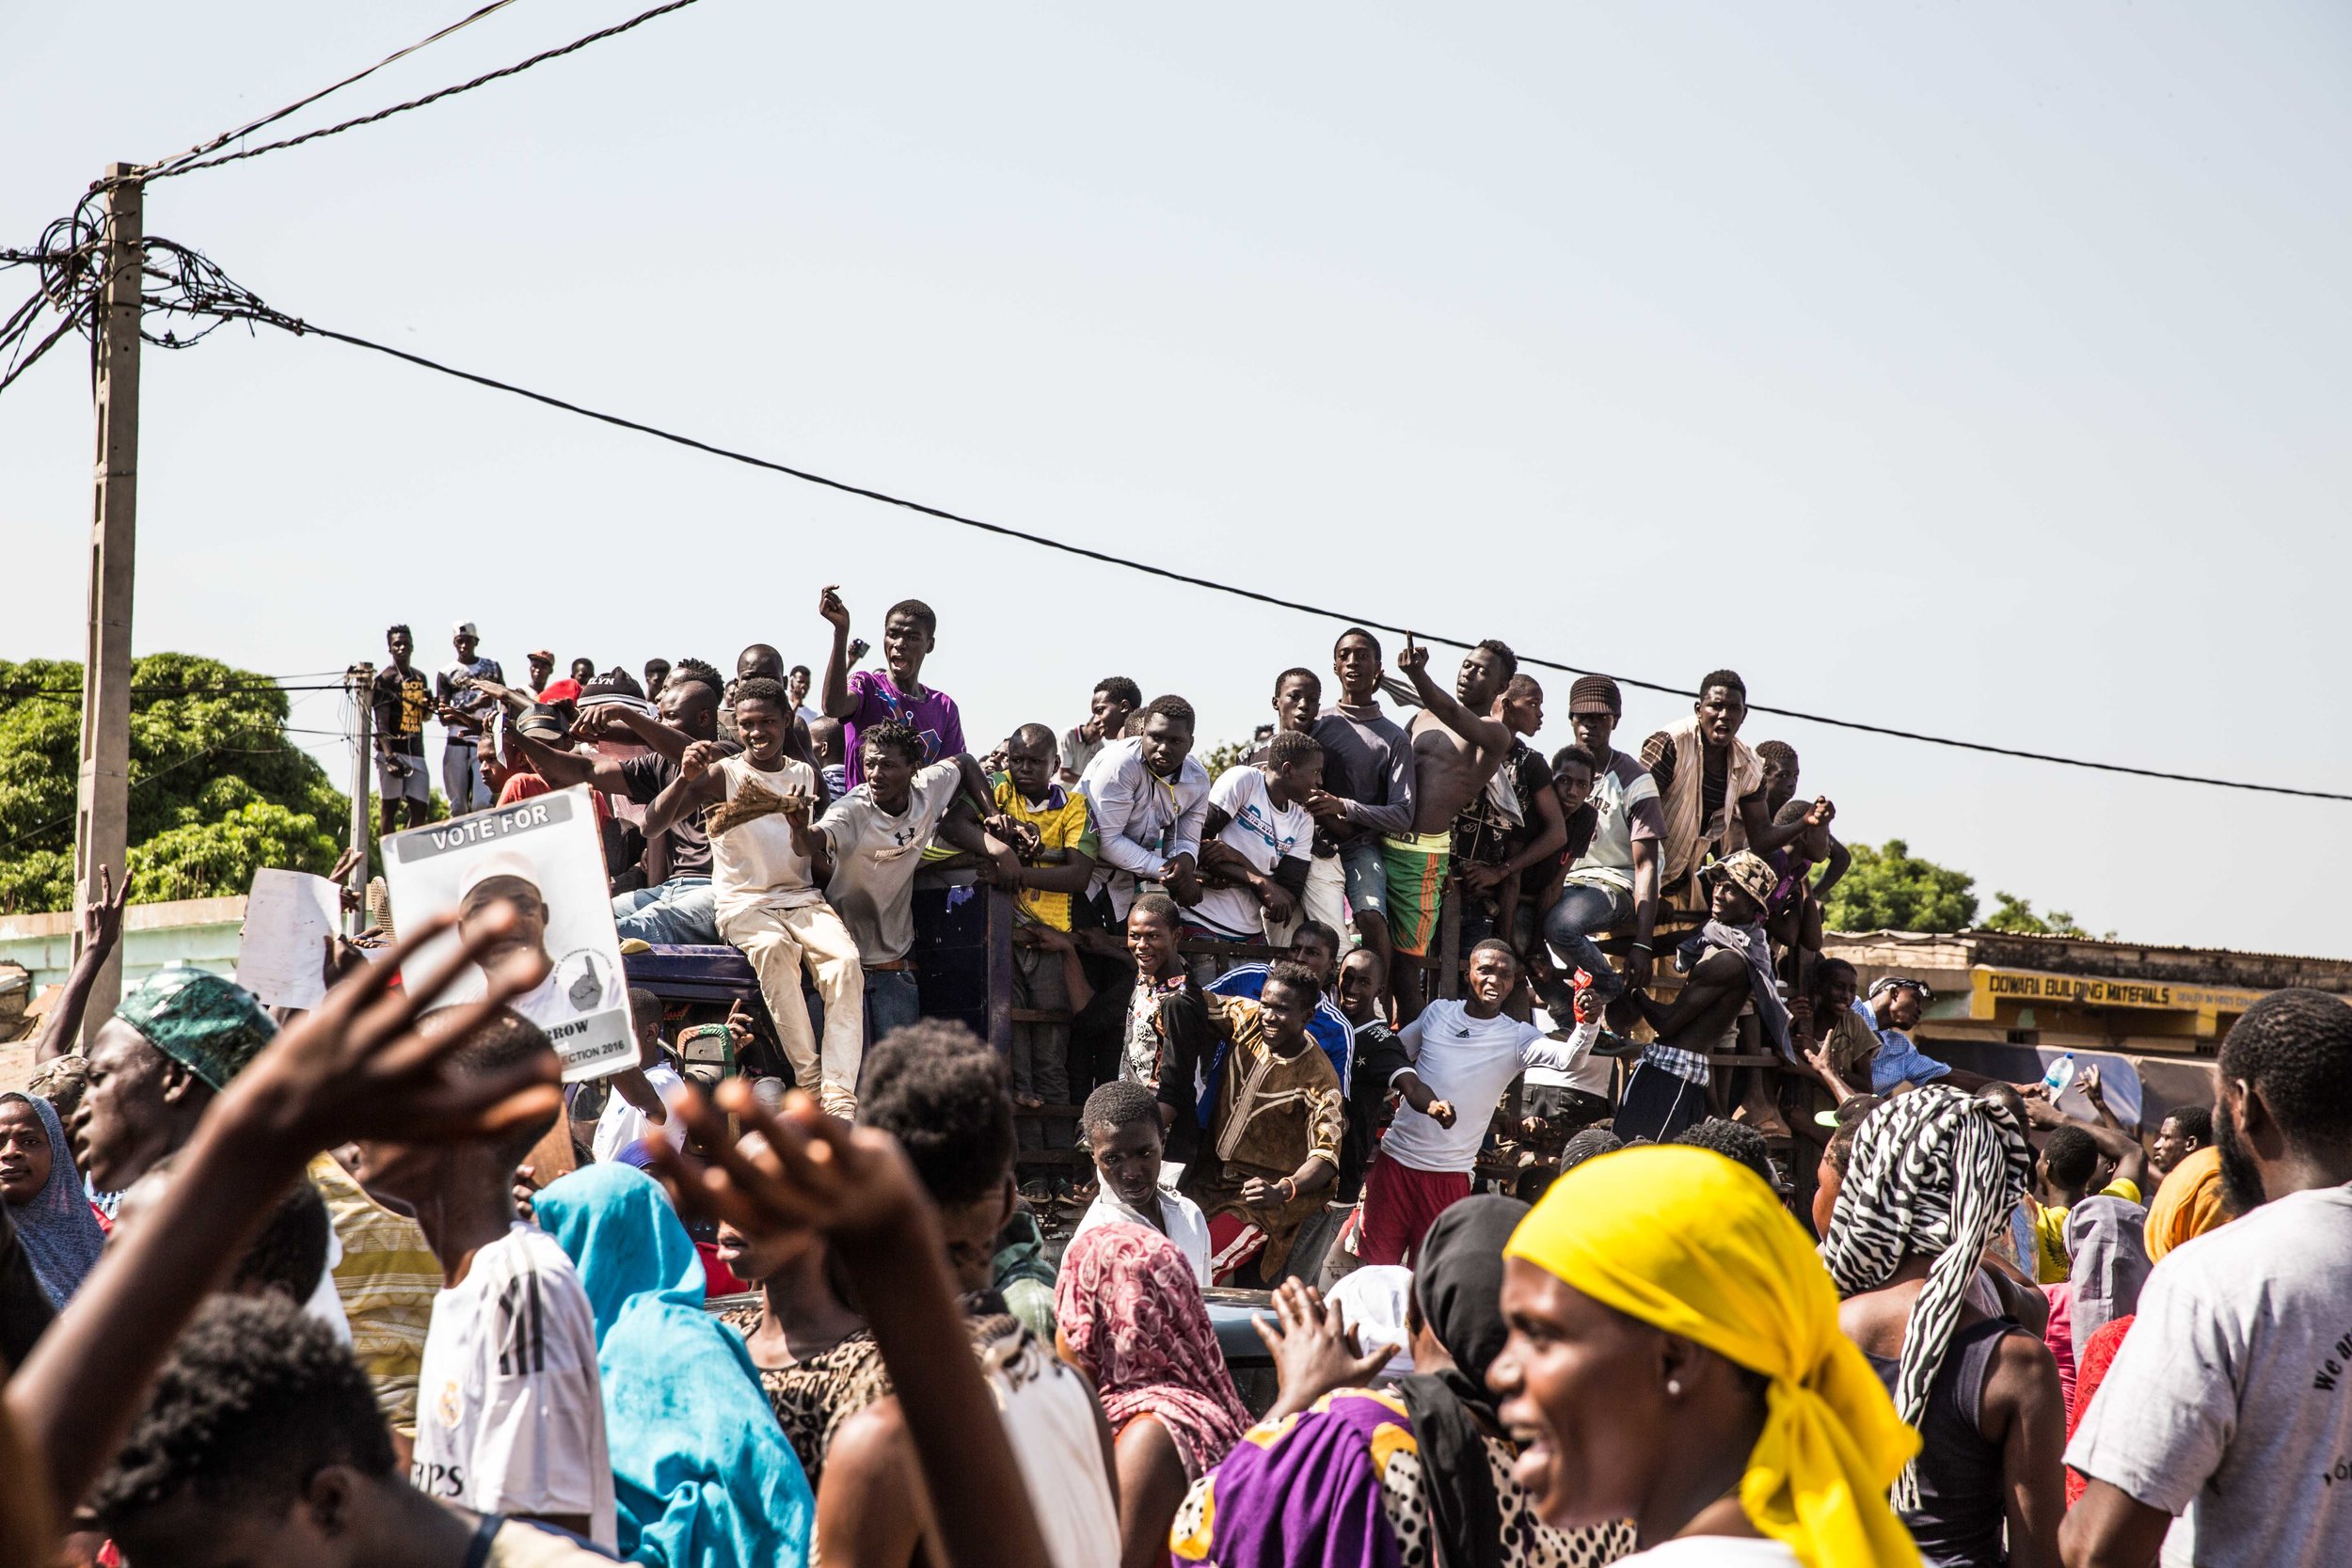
1932,1178
816,1363
1417,1475
1128,1314
702,1476
54,1222
2186,1206
1674,1358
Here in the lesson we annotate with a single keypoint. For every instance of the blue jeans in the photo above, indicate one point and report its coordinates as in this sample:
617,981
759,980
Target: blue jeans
682,912
892,1001
1583,912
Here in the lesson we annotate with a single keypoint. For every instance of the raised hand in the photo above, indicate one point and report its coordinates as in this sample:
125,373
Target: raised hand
701,756
1411,659
356,1066
1314,1351
102,919
807,1171
829,605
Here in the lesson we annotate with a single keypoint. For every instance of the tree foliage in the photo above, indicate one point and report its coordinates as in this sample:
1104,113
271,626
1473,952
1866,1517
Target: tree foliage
1224,755
2016,914
1890,889
218,791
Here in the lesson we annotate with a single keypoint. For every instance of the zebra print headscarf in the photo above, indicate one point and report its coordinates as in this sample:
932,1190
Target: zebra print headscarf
1937,1172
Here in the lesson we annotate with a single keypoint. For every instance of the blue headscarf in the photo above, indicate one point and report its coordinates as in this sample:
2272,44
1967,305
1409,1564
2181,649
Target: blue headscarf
63,1237
702,1474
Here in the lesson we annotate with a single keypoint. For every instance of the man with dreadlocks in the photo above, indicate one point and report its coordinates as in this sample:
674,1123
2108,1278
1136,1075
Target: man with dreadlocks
1932,1178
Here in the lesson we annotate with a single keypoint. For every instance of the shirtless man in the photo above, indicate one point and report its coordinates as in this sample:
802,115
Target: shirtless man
1669,1089
1459,742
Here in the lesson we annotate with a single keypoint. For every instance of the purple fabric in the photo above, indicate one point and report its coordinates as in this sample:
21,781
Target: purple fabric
1311,1498
878,699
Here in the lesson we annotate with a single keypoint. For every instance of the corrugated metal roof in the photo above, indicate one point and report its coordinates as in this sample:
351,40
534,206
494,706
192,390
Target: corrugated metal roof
2083,944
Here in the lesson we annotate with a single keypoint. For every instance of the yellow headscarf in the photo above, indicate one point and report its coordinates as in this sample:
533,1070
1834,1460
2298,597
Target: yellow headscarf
1688,1241
2188,1203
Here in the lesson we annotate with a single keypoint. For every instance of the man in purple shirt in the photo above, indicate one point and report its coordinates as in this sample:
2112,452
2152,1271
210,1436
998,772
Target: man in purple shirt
910,631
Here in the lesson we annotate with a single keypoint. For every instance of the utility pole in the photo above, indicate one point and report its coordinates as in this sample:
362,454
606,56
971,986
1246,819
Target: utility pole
103,787
359,680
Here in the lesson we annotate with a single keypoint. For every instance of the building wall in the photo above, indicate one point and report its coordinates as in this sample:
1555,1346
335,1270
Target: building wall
200,932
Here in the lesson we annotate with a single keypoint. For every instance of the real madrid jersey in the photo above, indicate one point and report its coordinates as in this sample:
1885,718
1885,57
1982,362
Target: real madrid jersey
510,1415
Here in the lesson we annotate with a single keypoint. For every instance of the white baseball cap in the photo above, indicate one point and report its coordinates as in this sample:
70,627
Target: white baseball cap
465,629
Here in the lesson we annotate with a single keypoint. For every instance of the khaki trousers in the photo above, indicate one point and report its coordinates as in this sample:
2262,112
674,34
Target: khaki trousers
780,943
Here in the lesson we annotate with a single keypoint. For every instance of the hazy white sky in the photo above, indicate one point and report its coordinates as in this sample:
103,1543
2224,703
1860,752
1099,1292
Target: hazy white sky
1978,370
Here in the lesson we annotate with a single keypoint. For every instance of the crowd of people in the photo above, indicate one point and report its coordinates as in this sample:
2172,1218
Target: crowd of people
283,1287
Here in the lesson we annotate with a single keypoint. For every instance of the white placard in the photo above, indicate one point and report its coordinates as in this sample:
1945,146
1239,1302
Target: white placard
291,919
541,856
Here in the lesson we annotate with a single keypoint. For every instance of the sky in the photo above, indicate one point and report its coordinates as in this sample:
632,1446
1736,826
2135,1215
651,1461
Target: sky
1970,370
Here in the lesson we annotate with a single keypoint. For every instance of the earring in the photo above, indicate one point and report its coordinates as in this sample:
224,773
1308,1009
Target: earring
1673,1387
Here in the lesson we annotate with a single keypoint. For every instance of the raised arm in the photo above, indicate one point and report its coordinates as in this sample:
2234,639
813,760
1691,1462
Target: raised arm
352,1067
101,928
1489,736
836,700
651,733
562,769
856,1187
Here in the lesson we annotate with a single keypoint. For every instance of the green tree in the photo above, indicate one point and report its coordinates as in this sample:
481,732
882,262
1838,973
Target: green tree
2016,914
218,791
1220,757
1892,889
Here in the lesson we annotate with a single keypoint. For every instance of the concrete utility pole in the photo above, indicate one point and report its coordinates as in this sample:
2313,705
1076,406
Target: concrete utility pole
359,680
101,811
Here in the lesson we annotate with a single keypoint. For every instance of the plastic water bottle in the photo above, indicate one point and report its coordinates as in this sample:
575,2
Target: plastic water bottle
2060,1076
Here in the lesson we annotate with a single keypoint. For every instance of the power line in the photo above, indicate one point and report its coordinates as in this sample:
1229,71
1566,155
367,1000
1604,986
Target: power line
179,161
301,328
221,748
196,287
183,165
211,690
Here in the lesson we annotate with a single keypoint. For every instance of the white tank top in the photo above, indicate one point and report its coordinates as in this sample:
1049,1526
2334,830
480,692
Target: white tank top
753,864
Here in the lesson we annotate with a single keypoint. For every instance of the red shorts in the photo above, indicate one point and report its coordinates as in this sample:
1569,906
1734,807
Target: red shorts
1235,1244
1400,1205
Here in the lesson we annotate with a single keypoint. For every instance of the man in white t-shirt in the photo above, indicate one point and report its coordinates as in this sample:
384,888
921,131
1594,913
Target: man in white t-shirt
1465,1054
756,809
2228,1406
1257,842
510,1413
868,846
639,1097
1122,1128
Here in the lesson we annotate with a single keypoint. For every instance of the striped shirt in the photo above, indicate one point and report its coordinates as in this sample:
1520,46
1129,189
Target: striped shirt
387,1280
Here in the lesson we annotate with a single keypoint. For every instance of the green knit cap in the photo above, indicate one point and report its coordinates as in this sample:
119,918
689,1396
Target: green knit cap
210,1025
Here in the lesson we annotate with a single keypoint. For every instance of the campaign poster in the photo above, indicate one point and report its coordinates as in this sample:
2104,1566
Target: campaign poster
541,858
